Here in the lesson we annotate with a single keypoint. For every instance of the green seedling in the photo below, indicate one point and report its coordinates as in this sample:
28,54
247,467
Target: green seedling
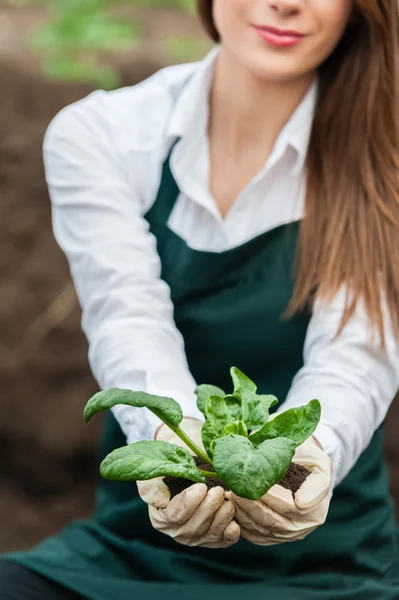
248,451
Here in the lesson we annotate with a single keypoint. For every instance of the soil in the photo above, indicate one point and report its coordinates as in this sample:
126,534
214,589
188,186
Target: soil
292,480
294,477
178,484
48,463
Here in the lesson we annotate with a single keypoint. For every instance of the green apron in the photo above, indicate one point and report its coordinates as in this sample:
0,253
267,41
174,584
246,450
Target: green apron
228,307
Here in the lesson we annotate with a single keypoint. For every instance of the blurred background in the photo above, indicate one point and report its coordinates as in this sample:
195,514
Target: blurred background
53,52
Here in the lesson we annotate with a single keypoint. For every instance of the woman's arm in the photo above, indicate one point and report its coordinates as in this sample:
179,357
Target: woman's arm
352,377
98,222
355,381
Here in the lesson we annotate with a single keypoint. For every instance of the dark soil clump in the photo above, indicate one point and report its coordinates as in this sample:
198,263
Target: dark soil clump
292,480
177,484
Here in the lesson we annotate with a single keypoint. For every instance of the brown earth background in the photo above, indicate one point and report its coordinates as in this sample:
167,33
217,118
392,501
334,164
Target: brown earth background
47,454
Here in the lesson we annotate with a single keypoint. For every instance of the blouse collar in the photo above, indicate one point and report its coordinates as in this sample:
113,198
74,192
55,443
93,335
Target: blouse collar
190,115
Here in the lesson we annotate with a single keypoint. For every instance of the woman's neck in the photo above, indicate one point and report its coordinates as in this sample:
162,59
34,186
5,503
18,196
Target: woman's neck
247,111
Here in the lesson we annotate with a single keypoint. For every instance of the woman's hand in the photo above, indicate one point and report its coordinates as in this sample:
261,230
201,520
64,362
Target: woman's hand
278,517
196,516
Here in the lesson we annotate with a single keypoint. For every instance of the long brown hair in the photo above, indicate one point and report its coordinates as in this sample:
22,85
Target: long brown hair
350,233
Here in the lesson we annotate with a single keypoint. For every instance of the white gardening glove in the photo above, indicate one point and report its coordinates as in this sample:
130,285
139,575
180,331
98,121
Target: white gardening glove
195,517
278,517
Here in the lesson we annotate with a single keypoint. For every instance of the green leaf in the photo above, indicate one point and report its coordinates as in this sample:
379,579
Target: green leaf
297,424
204,392
167,409
209,434
244,387
217,412
248,471
237,427
146,460
235,407
255,408
212,446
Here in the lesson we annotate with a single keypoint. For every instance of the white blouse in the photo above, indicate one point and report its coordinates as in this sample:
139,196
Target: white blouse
103,159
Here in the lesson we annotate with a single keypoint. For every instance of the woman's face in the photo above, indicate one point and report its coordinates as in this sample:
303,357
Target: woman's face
281,39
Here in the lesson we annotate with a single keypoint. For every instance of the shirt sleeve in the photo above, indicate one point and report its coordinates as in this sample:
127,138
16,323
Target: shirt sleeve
354,379
127,310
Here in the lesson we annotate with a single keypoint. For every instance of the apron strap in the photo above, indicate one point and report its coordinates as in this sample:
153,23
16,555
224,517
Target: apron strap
168,193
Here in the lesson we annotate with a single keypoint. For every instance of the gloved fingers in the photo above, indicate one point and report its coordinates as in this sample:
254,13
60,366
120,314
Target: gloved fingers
306,525
232,533
259,539
154,492
222,518
260,518
223,531
202,518
231,536
280,500
191,514
179,534
262,515
311,456
183,506
293,536
215,545
313,491
252,511
159,521
269,538
247,523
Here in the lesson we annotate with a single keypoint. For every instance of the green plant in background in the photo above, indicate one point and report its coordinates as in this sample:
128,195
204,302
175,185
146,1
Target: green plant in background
80,31
244,448
77,31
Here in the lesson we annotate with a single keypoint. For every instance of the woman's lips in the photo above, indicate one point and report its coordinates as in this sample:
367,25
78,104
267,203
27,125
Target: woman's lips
279,37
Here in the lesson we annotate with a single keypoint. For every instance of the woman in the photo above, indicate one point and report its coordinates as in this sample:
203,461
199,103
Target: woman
185,206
